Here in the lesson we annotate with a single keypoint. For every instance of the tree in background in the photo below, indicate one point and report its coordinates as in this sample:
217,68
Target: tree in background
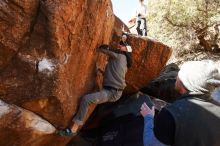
185,25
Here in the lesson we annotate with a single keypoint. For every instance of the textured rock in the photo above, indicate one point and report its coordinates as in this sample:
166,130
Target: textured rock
163,87
149,58
119,28
16,19
28,128
48,57
55,65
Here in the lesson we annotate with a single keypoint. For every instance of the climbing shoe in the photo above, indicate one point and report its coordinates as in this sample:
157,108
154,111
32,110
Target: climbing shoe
66,132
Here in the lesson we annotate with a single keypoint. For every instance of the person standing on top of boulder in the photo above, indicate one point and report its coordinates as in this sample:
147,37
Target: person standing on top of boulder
113,85
192,120
141,15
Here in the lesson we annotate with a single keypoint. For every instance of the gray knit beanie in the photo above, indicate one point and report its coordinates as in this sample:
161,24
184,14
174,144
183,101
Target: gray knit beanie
200,77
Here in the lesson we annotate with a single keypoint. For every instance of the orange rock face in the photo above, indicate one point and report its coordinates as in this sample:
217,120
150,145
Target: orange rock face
25,126
149,58
48,57
16,18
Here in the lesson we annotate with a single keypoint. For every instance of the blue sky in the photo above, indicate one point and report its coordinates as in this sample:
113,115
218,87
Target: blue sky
124,9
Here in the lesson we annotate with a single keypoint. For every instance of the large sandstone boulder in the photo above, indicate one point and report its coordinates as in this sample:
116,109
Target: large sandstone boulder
149,58
28,128
48,57
54,65
163,86
16,21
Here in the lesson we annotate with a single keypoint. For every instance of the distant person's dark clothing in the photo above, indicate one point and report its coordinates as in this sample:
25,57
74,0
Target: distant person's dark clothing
141,15
142,30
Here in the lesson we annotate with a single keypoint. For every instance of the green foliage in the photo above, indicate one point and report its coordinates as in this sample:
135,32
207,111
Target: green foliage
184,25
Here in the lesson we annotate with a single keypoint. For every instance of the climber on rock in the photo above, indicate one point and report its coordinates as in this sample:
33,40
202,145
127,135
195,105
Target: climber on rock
113,85
194,119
